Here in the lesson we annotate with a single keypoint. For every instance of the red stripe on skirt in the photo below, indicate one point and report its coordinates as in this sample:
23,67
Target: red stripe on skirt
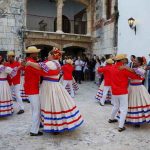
138,117
48,112
138,107
5,101
6,110
65,123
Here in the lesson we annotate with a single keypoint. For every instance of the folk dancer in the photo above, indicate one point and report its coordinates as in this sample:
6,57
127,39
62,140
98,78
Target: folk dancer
6,104
105,89
139,98
59,111
15,81
31,87
67,76
119,85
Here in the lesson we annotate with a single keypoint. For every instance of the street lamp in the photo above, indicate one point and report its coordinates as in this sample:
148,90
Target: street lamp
132,24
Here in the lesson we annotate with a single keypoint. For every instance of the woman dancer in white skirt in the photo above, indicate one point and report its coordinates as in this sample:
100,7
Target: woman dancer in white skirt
6,105
99,94
58,110
139,98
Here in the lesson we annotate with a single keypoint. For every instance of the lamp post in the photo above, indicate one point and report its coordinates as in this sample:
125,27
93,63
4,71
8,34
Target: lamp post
132,25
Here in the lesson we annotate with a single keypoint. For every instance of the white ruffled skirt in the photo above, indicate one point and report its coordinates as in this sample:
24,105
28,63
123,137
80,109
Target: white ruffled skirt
139,105
58,110
6,104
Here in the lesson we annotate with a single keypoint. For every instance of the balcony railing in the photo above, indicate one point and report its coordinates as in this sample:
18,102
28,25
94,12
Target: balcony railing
43,23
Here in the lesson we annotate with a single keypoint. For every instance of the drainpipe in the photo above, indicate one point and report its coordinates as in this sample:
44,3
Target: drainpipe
116,17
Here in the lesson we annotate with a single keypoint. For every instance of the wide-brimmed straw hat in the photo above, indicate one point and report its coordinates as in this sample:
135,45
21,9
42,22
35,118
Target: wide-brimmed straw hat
69,61
120,56
32,49
10,53
109,61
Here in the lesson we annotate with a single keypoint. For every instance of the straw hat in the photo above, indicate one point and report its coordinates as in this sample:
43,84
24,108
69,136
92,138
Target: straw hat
109,61
10,53
120,56
69,61
32,49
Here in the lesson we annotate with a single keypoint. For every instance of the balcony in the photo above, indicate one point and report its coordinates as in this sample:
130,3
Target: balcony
43,23
42,30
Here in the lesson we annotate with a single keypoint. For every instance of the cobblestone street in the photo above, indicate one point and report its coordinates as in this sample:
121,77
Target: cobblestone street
95,134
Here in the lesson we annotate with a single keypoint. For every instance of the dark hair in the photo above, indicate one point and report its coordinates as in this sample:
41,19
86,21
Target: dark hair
140,60
133,56
103,59
2,61
127,61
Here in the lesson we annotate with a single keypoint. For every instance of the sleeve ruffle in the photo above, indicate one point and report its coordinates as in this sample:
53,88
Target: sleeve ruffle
140,72
44,67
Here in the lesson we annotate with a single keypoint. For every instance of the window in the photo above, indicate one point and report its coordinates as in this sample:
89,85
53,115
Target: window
108,9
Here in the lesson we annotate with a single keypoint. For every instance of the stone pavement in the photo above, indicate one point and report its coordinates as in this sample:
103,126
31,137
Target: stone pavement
95,134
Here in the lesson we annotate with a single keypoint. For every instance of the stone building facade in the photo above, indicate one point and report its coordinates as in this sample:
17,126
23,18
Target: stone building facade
79,26
105,29
11,22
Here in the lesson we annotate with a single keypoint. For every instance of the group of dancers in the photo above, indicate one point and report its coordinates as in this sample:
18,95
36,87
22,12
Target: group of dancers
123,87
53,107
52,104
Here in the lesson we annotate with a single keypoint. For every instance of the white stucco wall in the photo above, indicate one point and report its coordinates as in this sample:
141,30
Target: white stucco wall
128,42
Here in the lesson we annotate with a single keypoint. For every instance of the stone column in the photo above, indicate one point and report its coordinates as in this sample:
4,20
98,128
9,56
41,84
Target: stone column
89,21
59,15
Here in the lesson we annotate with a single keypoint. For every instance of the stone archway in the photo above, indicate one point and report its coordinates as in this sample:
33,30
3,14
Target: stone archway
37,41
82,45
74,51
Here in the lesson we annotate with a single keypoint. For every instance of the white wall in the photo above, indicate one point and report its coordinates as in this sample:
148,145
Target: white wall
128,42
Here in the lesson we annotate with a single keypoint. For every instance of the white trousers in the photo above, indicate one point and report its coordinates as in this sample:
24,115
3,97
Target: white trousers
35,106
120,103
69,82
105,92
16,89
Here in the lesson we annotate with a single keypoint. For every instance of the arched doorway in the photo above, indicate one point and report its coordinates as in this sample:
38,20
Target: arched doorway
45,49
66,26
74,51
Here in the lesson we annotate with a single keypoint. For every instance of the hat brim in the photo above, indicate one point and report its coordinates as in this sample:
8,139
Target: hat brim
120,58
109,62
32,51
10,55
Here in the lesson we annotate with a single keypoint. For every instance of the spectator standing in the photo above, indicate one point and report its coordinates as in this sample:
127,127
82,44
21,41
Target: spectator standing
78,70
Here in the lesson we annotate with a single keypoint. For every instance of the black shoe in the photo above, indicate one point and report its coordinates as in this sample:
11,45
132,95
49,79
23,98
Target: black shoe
137,126
20,112
36,134
41,126
55,133
121,129
112,121
26,100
